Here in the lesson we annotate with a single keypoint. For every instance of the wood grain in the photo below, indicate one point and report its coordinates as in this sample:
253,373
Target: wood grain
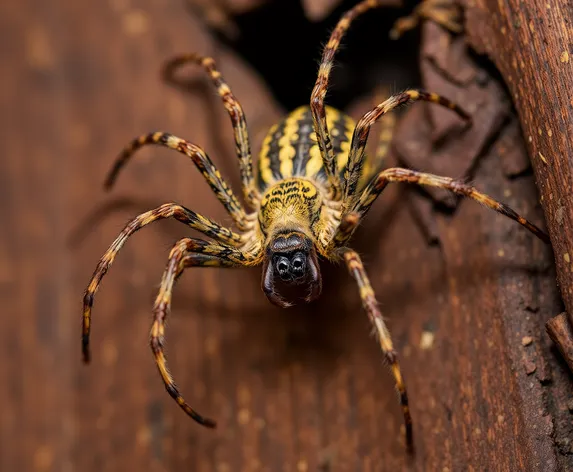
559,329
531,45
293,390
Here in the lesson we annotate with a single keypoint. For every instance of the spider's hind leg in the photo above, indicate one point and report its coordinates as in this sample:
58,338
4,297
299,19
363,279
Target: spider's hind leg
356,269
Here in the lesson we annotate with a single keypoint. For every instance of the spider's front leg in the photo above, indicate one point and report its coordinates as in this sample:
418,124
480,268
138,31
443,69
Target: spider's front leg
355,167
354,215
168,210
199,157
387,127
320,88
187,253
356,269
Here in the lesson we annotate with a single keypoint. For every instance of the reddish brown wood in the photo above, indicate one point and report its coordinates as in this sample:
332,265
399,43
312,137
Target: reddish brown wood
448,69
560,331
530,43
292,389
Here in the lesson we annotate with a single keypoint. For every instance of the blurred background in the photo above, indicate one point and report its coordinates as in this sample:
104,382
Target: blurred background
465,292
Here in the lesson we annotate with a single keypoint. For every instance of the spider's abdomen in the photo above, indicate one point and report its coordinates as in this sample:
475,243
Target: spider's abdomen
290,148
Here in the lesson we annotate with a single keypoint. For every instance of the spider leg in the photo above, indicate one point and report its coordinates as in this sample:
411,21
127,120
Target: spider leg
199,158
387,123
235,110
397,174
353,169
443,12
186,253
356,269
320,88
168,210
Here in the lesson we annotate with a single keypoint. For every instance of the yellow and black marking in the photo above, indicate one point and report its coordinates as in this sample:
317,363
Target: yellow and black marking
398,174
235,111
291,203
348,224
356,159
187,252
199,158
387,124
318,94
290,148
169,210
314,186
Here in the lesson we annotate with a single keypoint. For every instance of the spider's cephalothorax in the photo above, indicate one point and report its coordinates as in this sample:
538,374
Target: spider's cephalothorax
314,185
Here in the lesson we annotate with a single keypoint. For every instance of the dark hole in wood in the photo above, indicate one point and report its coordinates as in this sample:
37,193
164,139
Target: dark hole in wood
285,48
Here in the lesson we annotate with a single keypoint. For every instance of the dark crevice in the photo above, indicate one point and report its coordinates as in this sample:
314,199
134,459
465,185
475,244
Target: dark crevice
285,48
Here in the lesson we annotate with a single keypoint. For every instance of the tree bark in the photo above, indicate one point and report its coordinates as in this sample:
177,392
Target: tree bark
531,45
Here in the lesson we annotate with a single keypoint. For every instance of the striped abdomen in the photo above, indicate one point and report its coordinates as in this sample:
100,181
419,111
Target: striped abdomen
290,148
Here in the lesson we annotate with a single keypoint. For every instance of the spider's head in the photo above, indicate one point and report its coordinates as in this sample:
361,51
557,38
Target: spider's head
291,257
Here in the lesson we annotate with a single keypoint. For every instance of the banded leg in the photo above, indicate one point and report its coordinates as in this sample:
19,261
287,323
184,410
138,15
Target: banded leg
398,174
443,12
387,123
168,210
344,232
186,253
321,86
360,136
235,110
199,158
356,269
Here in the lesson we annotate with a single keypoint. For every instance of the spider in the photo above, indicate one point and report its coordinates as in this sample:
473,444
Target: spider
314,185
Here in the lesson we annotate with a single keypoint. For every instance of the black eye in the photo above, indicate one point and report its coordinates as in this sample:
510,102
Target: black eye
298,263
282,266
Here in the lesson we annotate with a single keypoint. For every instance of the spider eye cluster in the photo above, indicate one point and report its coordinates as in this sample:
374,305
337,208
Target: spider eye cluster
291,266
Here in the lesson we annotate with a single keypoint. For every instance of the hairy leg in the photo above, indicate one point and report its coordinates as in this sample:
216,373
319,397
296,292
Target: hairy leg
199,158
397,174
356,269
186,253
375,161
168,210
320,89
388,123
353,170
233,107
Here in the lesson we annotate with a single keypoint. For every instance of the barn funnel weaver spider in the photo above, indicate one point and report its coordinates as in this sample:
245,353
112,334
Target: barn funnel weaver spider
314,185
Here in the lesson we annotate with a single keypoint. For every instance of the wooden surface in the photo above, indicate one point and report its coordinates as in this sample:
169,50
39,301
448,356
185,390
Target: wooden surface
293,390
559,329
531,44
